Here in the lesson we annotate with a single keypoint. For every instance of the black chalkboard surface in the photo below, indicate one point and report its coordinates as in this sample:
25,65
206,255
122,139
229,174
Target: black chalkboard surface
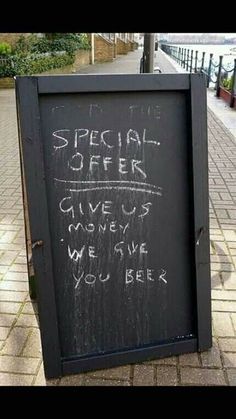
116,177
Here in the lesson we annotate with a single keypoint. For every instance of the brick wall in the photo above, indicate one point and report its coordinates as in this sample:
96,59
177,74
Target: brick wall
103,49
121,47
132,45
11,38
7,83
82,58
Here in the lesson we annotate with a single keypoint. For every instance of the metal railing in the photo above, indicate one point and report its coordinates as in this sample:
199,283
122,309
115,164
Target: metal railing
190,61
108,35
5,62
6,67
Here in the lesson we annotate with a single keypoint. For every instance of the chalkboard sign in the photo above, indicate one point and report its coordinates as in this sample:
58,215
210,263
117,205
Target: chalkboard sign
115,169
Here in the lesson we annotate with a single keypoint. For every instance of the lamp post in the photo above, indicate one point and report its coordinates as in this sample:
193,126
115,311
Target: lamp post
148,53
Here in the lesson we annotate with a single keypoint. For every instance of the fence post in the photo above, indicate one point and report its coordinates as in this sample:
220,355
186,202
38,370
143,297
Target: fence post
187,59
233,83
196,58
184,56
191,62
209,70
203,59
219,77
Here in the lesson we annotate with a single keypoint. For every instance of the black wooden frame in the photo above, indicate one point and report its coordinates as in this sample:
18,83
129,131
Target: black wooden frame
28,90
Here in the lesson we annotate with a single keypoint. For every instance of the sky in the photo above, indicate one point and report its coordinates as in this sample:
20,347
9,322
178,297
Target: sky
227,35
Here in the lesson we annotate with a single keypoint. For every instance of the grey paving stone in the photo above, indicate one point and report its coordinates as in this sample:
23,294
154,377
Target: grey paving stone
8,379
33,345
8,257
222,213
220,258
216,280
7,320
18,268
75,380
223,295
166,376
13,364
52,382
10,247
231,376
8,236
211,358
27,320
233,317
225,306
102,383
199,376
3,269
229,280
222,324
9,307
122,373
225,267
4,331
16,296
227,344
21,260
16,276
14,286
143,375
229,359
230,235
191,359
16,341
30,308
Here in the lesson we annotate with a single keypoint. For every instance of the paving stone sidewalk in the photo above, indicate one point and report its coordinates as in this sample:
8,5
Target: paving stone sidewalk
20,349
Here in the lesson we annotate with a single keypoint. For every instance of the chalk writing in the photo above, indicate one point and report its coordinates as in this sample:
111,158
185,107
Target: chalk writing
111,227
90,279
142,275
111,184
122,248
104,208
131,276
162,276
152,111
116,153
75,254
118,188
64,207
108,138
